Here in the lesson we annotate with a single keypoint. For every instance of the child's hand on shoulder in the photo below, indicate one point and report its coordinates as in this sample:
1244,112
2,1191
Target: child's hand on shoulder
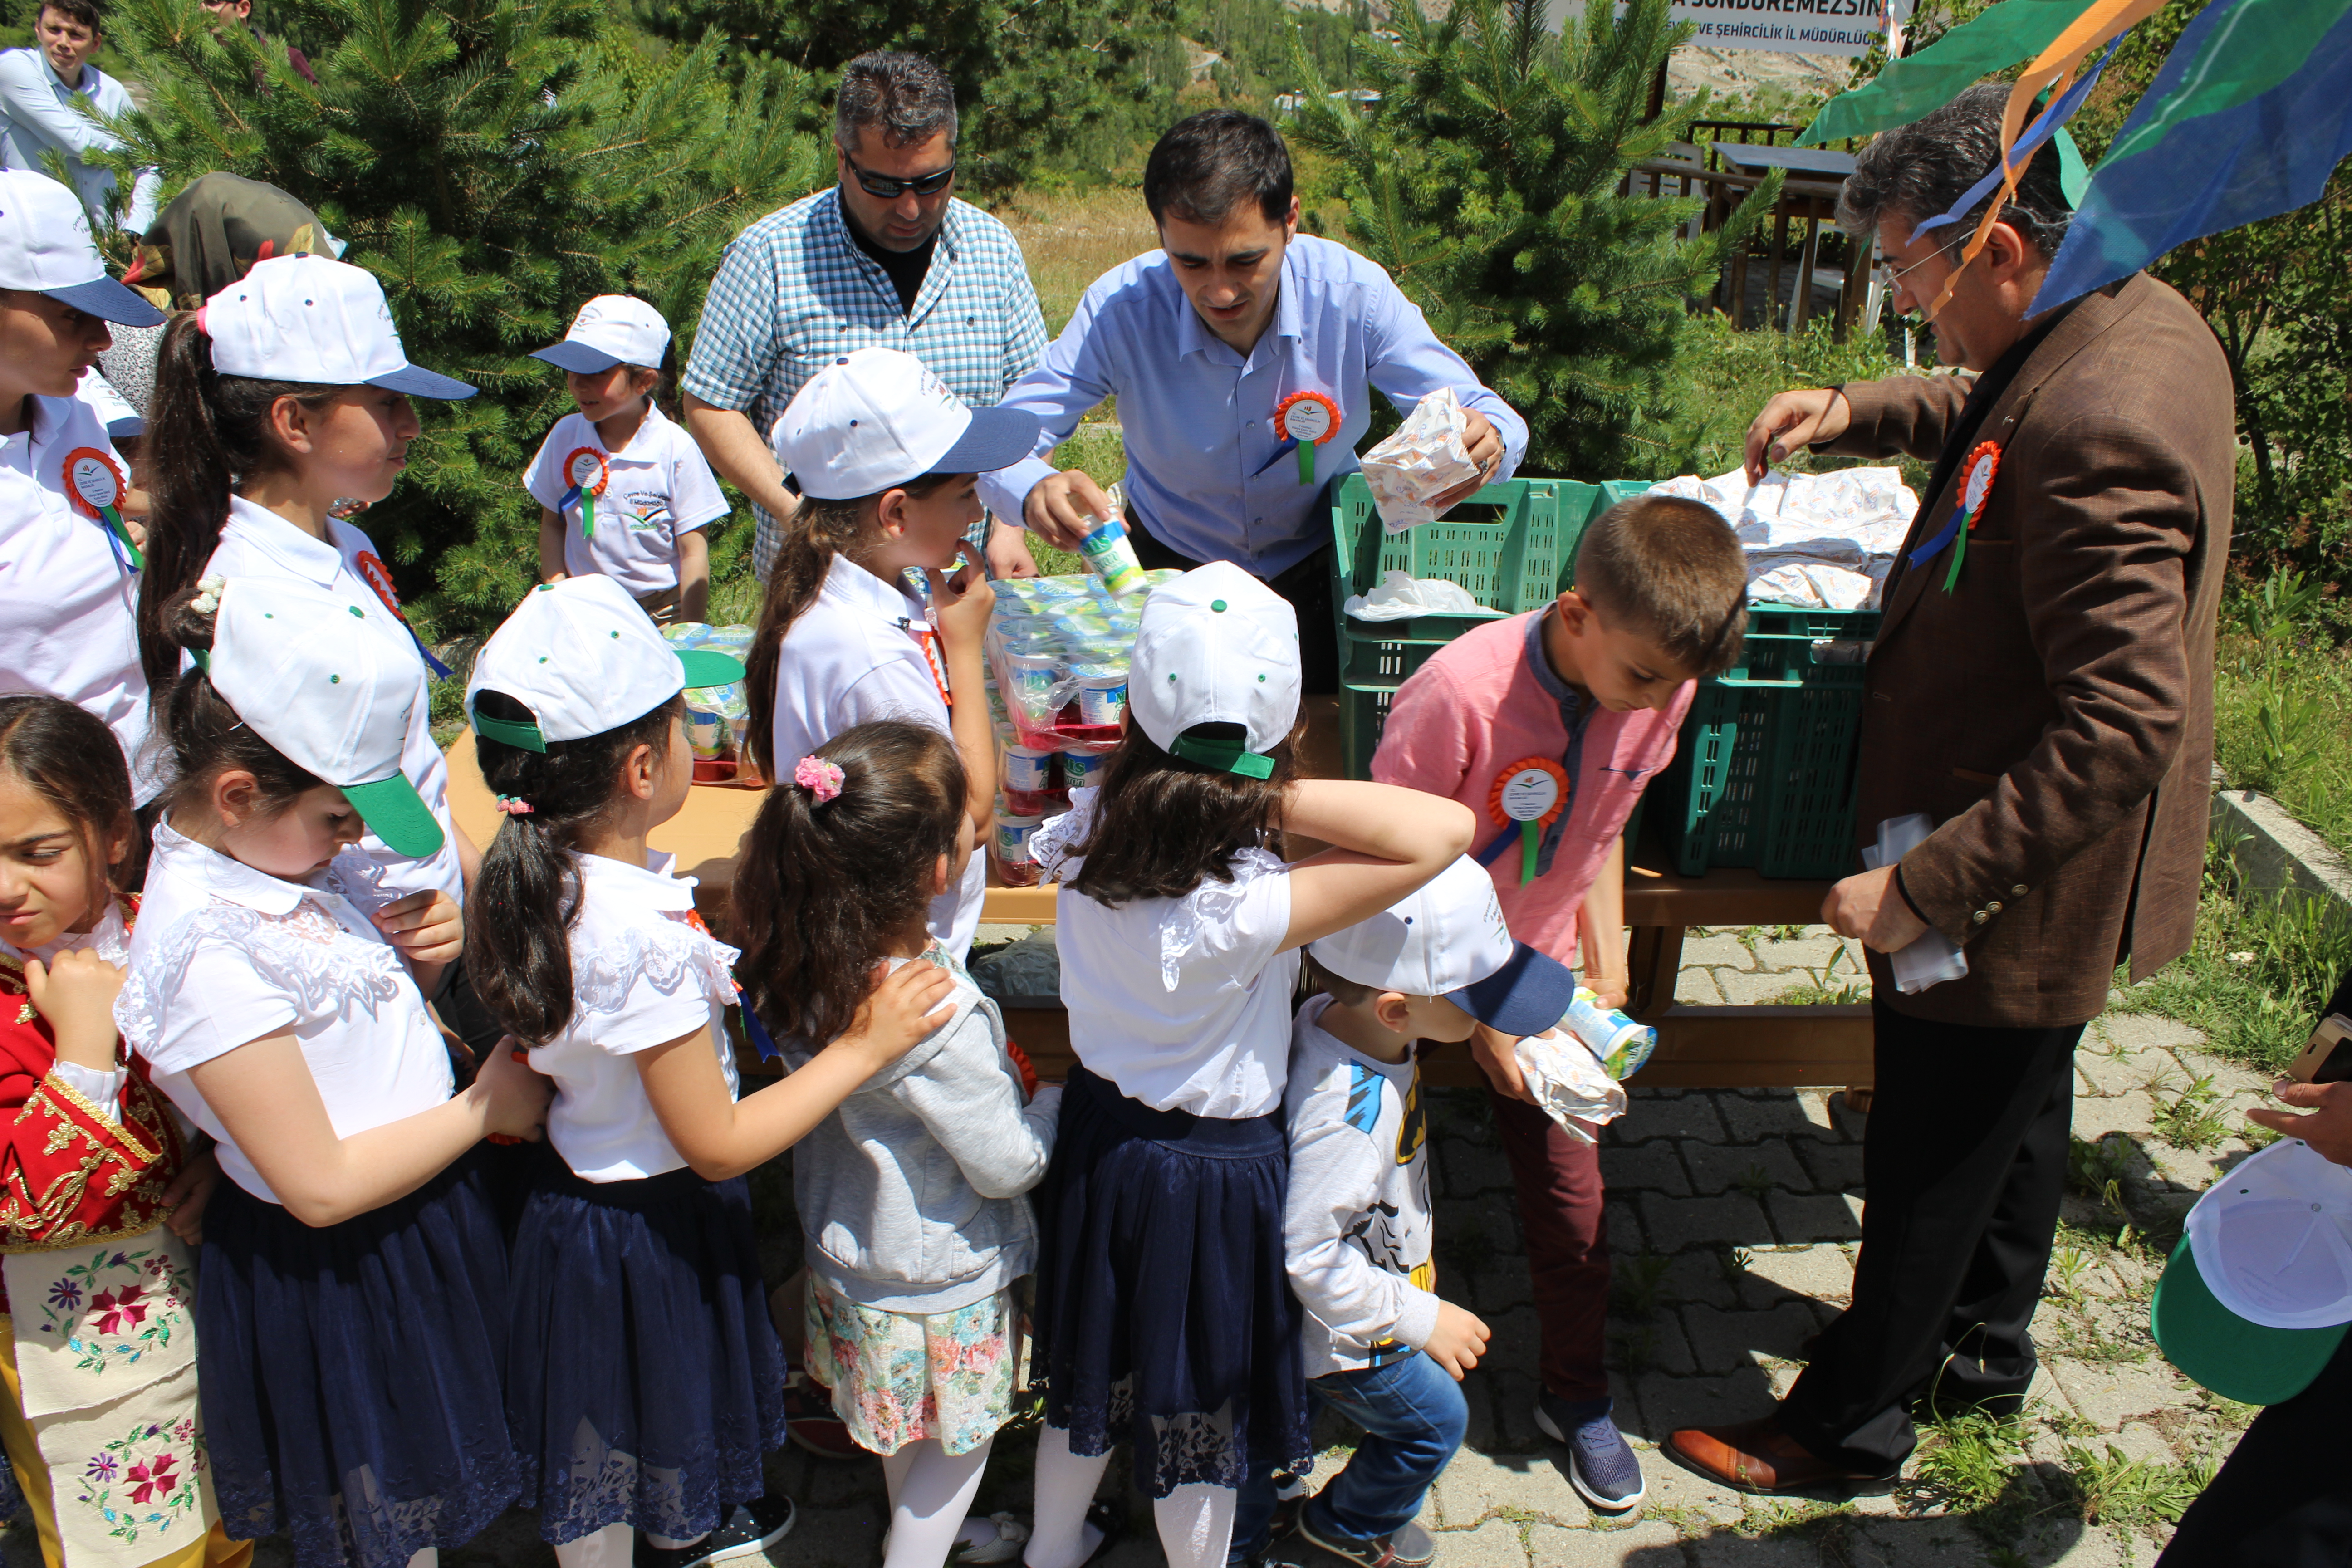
426,927
74,992
515,1097
960,603
899,1014
1458,1341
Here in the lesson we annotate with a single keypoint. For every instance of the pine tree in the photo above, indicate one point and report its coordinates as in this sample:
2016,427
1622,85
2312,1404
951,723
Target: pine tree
495,164
1035,79
1485,180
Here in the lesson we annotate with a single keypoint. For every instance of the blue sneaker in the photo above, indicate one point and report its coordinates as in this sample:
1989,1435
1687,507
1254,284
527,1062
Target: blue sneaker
1601,1466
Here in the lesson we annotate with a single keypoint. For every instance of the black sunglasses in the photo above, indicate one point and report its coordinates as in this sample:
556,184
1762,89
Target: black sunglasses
890,190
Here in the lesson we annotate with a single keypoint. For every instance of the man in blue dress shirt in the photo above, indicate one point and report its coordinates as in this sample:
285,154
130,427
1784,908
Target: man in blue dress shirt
1201,340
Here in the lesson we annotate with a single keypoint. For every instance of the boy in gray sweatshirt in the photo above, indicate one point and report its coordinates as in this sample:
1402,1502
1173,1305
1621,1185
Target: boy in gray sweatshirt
1380,1344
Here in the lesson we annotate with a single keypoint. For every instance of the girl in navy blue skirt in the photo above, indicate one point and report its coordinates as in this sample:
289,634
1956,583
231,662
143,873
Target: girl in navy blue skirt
1164,1313
644,1377
350,1298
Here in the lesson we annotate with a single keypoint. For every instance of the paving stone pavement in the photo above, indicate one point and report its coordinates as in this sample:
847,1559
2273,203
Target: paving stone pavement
1733,1216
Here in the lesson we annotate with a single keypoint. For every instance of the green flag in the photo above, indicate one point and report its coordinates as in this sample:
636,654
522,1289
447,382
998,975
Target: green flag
1905,89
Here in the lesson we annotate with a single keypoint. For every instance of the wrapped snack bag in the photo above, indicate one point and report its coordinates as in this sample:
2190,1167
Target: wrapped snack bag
1569,1081
1429,455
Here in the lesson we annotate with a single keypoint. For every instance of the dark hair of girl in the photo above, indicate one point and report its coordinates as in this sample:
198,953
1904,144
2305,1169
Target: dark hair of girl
206,434
820,530
821,887
202,734
527,894
70,758
1163,826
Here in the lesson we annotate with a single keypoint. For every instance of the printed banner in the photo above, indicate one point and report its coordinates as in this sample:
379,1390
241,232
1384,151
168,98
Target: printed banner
1792,26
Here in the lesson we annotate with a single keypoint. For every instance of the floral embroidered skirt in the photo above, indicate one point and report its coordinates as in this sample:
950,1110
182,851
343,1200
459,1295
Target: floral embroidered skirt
898,1378
100,1349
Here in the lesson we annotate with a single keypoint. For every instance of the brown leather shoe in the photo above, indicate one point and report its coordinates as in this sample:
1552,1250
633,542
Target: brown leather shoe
1756,1456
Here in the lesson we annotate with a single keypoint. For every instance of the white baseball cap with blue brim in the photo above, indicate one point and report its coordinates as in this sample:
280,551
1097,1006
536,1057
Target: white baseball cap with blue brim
318,321
330,690
878,417
610,330
1448,938
46,249
584,658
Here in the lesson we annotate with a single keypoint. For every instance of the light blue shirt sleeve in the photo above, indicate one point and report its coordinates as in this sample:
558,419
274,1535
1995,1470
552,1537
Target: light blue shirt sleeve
1409,363
30,97
1074,376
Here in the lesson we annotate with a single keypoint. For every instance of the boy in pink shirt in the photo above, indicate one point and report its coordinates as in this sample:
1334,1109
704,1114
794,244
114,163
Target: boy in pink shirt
1593,687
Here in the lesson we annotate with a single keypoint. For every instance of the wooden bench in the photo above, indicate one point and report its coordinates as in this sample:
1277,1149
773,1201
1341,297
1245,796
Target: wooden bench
1750,1046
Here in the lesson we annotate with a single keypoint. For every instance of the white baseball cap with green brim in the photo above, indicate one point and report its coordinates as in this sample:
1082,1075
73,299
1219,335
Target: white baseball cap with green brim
584,658
1217,646
2257,1296
330,690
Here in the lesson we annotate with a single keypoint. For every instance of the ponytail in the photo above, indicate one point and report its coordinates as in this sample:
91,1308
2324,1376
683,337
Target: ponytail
820,530
206,434
527,894
823,885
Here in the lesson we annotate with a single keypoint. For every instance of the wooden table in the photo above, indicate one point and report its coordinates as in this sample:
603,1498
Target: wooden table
1810,197
1698,1047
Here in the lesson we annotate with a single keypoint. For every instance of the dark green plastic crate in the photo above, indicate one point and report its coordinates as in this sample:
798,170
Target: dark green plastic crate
1512,545
1764,773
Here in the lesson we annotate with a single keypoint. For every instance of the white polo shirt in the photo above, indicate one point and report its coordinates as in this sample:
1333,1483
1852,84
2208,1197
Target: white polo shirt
852,658
656,488
1182,1002
258,543
224,955
68,599
121,421
644,971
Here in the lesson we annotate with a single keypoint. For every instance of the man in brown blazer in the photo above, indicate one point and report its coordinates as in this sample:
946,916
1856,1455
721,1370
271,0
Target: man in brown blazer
2052,711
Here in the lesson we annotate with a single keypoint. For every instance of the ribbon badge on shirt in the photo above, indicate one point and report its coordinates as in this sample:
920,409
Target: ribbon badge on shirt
1309,419
586,473
1976,483
1527,797
95,486
377,576
926,638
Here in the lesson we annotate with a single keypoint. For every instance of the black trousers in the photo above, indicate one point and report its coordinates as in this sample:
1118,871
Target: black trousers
2285,1499
1964,1163
1306,587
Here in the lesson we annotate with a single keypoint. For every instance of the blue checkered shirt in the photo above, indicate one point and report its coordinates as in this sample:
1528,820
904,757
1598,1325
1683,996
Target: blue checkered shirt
794,294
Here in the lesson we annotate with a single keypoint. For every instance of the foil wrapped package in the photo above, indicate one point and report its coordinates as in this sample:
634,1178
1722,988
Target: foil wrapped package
1568,1082
1428,456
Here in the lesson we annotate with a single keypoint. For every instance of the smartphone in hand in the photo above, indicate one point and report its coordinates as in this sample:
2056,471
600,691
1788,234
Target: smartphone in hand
2328,1057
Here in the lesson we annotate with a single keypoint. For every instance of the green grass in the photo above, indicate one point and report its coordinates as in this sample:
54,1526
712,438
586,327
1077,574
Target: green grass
1723,379
2257,975
2282,718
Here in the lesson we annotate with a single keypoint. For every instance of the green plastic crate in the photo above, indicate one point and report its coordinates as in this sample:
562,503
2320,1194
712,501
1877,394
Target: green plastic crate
1512,545
1764,773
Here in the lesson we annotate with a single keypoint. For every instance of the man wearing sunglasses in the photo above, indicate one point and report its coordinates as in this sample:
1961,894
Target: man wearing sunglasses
2041,689
888,258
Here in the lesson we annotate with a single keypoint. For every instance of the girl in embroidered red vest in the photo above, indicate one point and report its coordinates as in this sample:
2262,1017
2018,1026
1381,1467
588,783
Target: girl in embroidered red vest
99,1197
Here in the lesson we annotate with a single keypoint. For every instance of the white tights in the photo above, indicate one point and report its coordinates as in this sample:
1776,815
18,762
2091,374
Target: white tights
614,1546
1196,1522
930,1491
